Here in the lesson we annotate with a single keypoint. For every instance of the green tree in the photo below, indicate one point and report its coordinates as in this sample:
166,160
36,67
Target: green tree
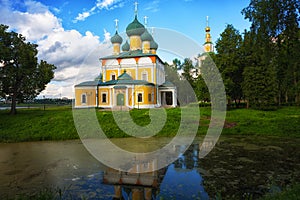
260,80
288,45
22,76
229,63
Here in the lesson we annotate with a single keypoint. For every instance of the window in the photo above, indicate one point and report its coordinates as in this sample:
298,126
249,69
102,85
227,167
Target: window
152,97
140,97
104,96
145,76
83,98
149,97
113,77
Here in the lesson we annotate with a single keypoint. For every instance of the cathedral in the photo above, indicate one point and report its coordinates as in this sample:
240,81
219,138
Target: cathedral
133,76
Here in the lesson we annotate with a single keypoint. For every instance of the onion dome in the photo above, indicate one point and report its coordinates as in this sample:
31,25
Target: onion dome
116,38
153,45
146,36
125,46
135,28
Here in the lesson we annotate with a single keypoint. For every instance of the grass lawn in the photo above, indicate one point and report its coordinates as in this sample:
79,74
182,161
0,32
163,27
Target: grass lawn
56,123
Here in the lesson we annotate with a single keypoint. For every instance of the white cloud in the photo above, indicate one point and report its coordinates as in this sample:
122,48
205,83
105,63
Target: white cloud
152,6
75,55
100,4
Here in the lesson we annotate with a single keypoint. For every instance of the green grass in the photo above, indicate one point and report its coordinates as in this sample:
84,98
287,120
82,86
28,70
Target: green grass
56,123
282,122
290,193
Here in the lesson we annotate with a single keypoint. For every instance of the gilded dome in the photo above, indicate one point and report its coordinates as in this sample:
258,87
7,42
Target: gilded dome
116,38
135,28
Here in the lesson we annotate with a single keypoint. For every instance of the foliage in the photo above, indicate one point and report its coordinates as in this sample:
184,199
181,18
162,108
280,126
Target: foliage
22,76
229,62
291,193
272,70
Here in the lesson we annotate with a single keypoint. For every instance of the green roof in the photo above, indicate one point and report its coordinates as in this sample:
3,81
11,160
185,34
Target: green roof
153,45
116,38
146,36
88,83
135,28
125,76
167,84
125,46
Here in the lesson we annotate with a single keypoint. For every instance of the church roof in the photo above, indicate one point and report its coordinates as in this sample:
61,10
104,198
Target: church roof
146,36
125,46
167,84
116,38
125,79
87,83
131,54
153,45
135,28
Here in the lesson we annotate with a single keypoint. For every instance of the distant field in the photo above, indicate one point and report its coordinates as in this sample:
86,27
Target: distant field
56,123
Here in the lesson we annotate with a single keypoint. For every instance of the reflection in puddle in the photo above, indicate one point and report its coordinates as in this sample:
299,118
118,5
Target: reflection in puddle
27,168
237,166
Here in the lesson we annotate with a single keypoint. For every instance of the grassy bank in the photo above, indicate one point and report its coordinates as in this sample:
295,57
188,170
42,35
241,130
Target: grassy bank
56,123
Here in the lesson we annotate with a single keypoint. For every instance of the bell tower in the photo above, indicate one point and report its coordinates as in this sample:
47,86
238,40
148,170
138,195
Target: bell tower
208,45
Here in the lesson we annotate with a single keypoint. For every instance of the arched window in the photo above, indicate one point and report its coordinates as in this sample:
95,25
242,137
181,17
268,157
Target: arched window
139,97
145,76
113,76
83,98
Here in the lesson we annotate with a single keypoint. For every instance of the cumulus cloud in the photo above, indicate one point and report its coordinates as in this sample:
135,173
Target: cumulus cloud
99,5
75,55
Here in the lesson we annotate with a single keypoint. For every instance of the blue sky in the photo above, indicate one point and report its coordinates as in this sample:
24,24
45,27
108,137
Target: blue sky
66,31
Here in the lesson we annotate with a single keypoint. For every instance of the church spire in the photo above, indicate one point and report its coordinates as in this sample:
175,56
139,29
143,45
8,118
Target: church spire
208,45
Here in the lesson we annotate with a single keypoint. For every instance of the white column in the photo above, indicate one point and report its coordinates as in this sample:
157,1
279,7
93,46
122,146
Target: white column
111,97
136,72
174,98
104,73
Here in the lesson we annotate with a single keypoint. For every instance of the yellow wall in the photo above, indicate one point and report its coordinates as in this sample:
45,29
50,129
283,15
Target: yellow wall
145,90
107,91
146,46
116,48
109,72
90,96
135,42
140,73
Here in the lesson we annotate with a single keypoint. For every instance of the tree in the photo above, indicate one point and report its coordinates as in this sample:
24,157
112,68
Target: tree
275,32
22,76
228,60
260,81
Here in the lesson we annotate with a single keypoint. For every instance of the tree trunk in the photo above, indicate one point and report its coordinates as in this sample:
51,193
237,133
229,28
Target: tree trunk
295,85
13,109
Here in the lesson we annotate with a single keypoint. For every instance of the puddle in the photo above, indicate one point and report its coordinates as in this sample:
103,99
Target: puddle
237,166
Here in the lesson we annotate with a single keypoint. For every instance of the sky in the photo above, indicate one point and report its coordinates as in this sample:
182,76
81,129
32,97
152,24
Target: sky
74,34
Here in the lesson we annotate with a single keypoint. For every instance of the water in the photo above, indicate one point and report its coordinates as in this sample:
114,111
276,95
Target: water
237,166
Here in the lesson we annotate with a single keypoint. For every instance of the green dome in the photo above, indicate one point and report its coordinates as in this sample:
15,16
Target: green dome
135,28
146,36
153,45
116,38
125,46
